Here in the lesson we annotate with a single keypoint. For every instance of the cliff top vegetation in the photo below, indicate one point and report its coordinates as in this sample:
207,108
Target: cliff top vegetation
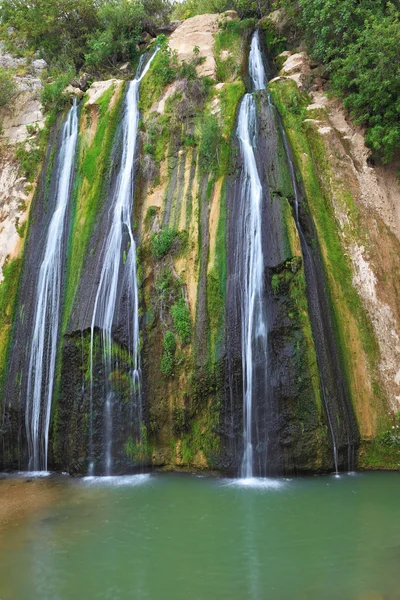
357,44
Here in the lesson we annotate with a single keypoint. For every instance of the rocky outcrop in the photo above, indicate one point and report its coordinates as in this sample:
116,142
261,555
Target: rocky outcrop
24,112
199,31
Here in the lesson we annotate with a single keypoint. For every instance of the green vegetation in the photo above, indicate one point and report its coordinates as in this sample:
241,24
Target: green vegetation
228,48
274,41
162,241
168,356
8,87
314,170
357,44
52,96
139,449
244,8
90,187
8,298
76,33
210,143
181,319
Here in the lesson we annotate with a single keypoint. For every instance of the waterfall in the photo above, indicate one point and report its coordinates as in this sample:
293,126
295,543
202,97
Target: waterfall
118,272
256,67
253,322
43,349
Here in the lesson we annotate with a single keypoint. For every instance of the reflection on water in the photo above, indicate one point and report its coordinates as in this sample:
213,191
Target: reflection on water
162,537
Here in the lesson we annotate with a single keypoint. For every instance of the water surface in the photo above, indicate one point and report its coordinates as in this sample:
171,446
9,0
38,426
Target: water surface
179,536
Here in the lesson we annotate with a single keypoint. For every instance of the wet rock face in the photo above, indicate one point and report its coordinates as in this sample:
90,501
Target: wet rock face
286,420
75,442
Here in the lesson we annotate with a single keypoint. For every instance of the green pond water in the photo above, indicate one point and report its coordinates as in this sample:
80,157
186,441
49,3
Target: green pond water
181,537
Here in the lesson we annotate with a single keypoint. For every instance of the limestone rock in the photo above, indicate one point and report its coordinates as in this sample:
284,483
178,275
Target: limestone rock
81,82
197,31
38,65
297,67
7,60
73,91
98,88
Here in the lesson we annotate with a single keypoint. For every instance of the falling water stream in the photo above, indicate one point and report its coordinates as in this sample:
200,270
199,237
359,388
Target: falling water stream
47,307
254,317
119,269
254,325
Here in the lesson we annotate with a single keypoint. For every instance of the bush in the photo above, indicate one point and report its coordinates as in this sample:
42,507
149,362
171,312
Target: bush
118,35
161,242
52,96
167,359
169,342
8,87
181,319
210,142
357,43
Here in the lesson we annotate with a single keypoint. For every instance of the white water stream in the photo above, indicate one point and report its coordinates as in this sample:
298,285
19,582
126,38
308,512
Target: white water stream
254,326
47,307
114,271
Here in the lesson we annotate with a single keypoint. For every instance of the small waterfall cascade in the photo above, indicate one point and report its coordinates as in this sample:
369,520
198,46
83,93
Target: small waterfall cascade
119,271
45,324
254,323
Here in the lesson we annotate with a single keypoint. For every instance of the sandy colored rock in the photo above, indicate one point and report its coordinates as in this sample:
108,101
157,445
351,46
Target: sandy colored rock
25,111
197,31
73,91
297,67
98,88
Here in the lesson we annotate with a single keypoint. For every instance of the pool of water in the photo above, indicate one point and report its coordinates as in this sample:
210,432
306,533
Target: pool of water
179,537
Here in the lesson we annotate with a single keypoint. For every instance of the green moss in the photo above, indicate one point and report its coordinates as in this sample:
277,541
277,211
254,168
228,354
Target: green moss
313,168
8,299
290,281
167,364
138,450
228,48
181,318
162,71
89,191
202,436
157,135
376,455
274,41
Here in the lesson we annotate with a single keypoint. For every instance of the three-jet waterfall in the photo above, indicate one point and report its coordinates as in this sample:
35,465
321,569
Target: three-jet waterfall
43,349
254,321
118,273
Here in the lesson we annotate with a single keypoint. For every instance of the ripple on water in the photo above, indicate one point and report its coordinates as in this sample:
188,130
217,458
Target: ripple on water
117,480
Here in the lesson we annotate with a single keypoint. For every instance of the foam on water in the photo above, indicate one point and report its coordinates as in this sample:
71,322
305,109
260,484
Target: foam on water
117,480
32,474
265,483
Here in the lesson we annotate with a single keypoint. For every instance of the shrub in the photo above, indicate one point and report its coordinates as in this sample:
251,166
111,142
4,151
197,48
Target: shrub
181,319
8,87
161,242
210,142
169,342
52,96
